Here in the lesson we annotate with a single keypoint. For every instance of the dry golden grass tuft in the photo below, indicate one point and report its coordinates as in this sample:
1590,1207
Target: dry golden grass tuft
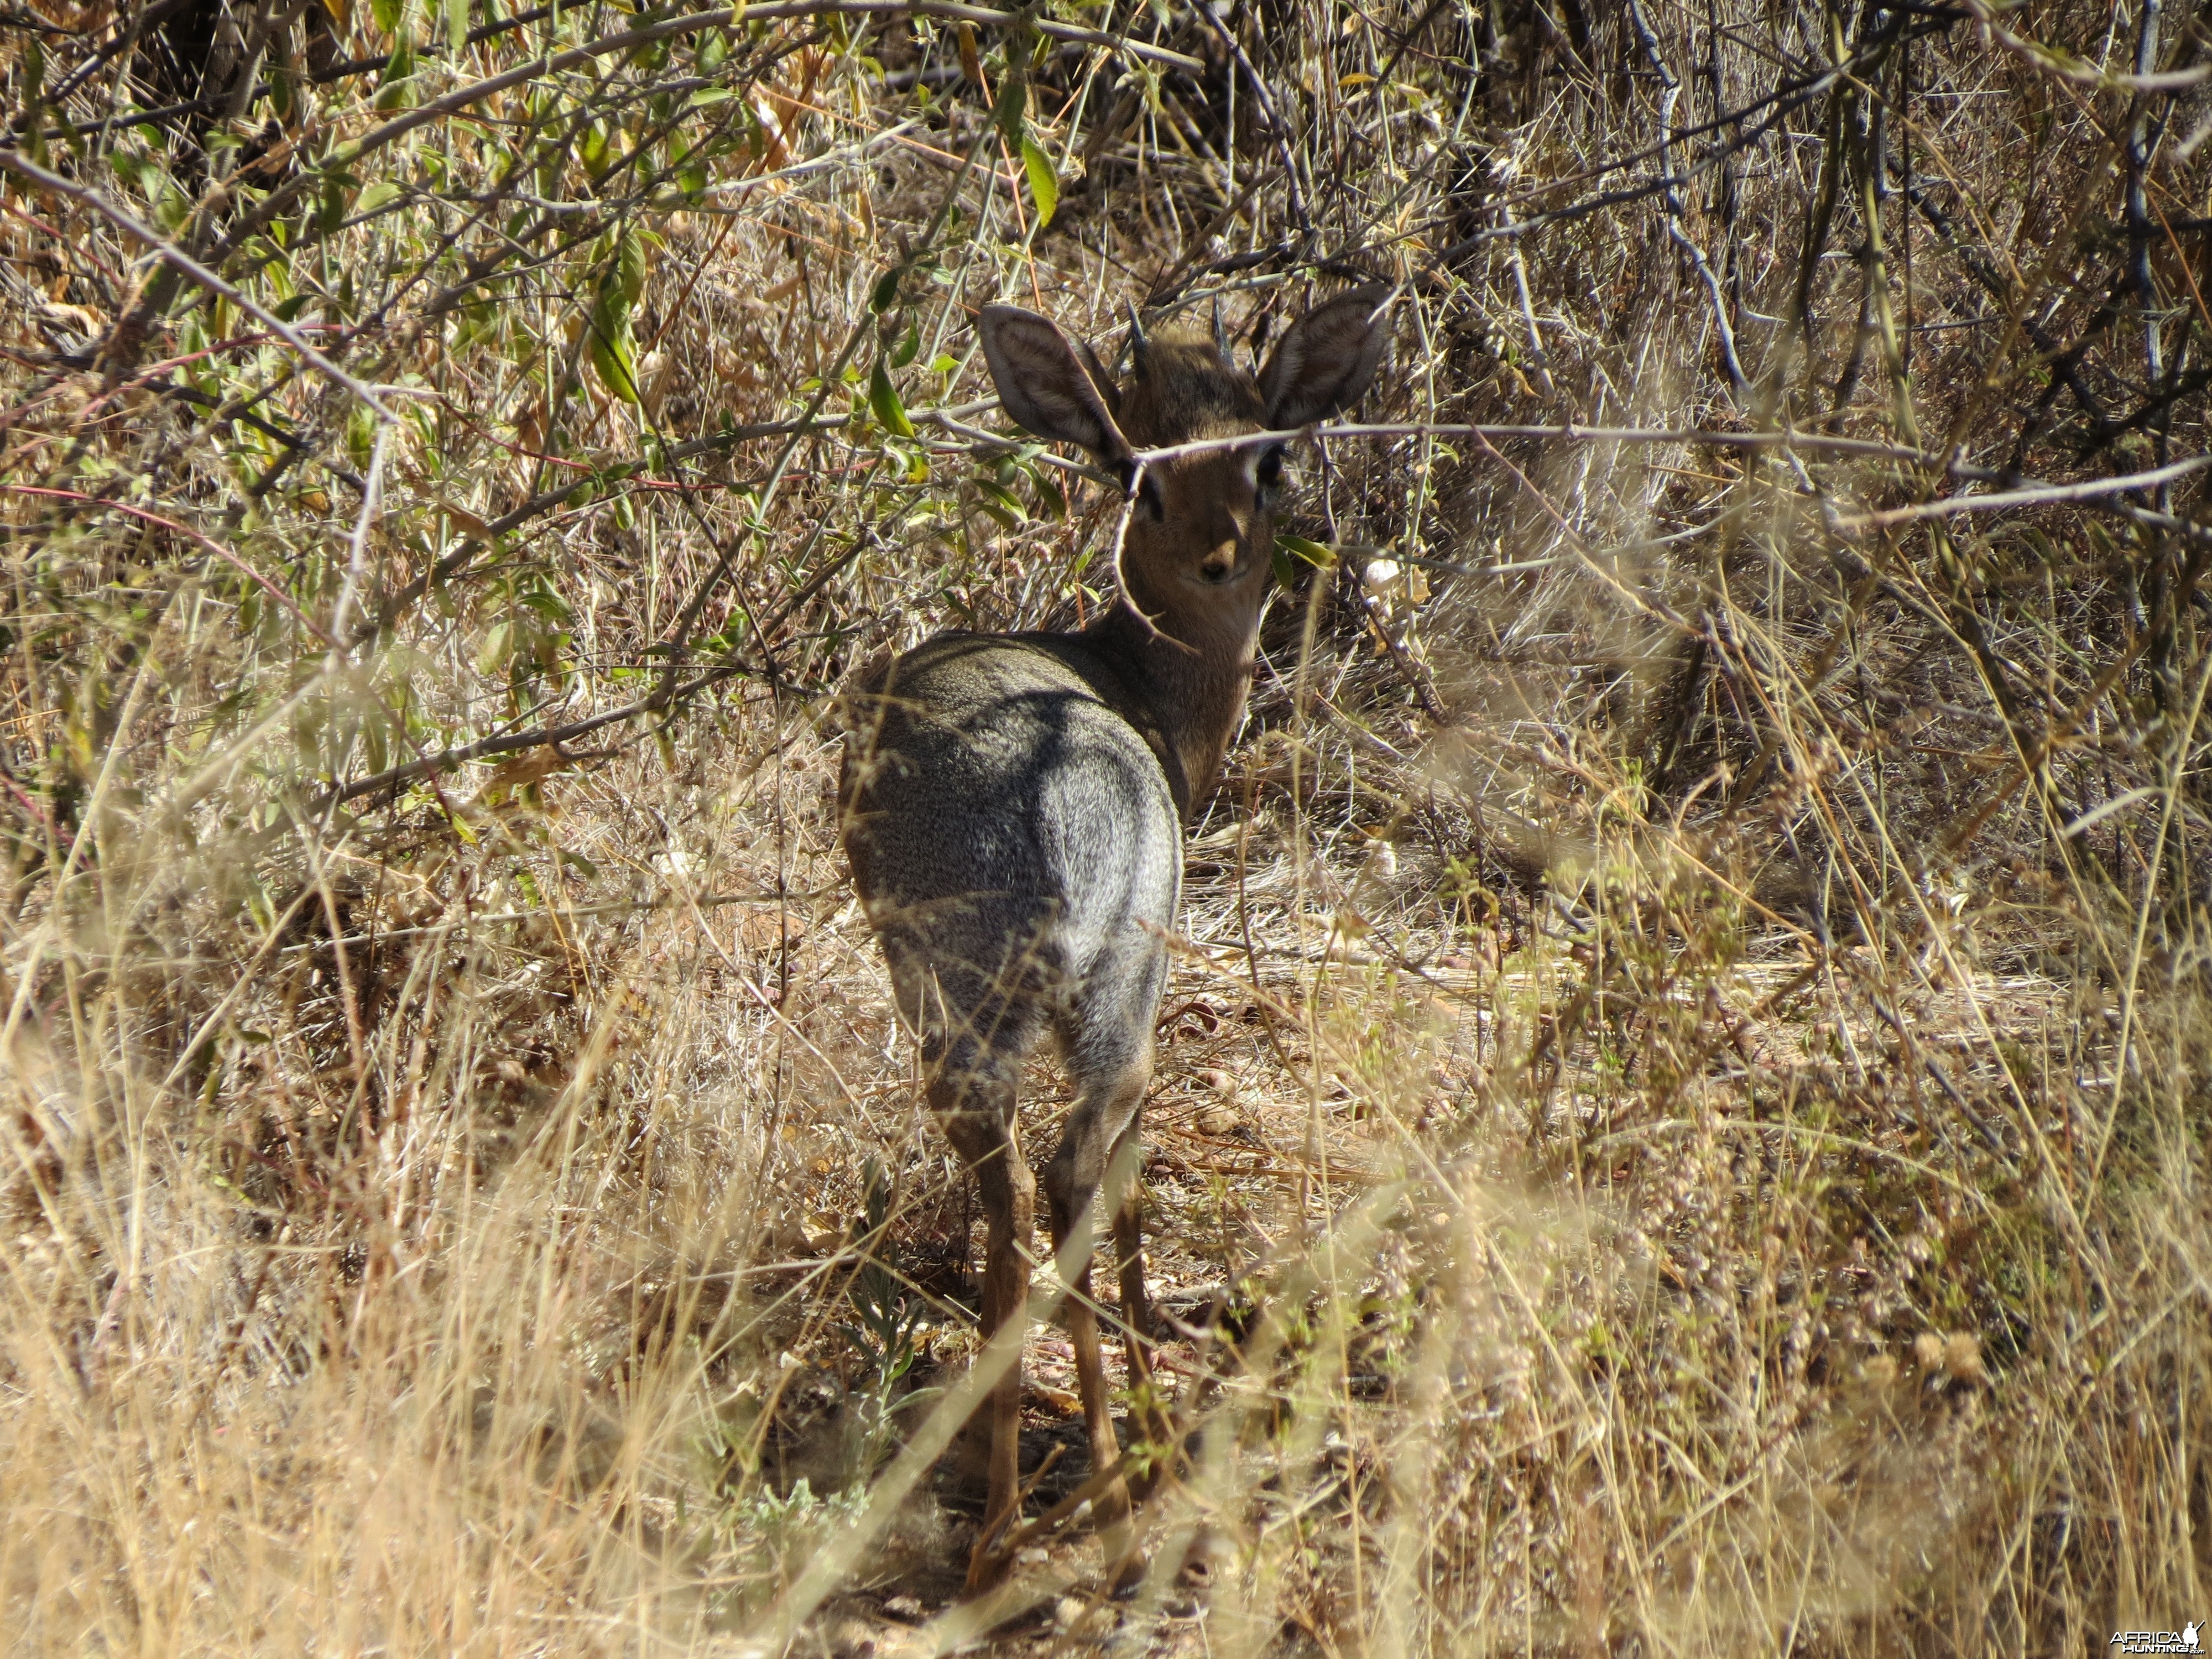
1681,1125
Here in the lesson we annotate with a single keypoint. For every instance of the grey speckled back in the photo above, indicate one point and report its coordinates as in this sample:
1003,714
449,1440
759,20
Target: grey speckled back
1016,846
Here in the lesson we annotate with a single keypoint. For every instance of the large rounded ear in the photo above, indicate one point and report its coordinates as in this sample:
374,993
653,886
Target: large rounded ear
1326,359
1045,386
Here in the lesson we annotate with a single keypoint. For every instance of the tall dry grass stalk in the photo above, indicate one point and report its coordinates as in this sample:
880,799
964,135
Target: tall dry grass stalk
1681,1125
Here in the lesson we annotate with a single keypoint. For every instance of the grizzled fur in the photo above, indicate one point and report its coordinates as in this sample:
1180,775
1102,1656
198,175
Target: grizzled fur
1012,836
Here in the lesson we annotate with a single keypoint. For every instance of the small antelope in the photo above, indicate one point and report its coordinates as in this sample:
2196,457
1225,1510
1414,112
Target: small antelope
1013,805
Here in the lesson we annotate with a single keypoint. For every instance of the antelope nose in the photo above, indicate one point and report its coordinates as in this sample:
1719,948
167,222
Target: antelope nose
1219,565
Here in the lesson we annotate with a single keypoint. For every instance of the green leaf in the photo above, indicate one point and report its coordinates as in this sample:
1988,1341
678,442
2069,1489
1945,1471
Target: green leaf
630,263
886,291
595,147
1045,182
378,195
908,347
387,13
883,400
31,78
1001,504
1012,101
1292,552
612,347
457,27
395,88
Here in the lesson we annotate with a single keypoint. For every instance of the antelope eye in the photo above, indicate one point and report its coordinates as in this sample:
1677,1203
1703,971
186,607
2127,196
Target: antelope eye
1148,497
1269,472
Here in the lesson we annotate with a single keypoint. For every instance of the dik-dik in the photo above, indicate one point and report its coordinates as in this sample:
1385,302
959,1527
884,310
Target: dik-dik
1013,805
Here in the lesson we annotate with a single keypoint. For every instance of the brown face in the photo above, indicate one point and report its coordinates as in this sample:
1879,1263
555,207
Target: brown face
1206,521
1202,530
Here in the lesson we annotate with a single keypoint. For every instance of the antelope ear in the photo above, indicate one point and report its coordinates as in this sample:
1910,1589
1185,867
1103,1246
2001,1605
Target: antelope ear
1045,386
1326,359
1101,376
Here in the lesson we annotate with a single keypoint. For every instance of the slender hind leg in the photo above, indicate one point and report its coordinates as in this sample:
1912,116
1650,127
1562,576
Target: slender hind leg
1107,1032
977,1113
1075,1184
1125,1190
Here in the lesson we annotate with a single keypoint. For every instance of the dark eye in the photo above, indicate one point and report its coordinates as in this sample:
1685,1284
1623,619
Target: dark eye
1269,472
1148,497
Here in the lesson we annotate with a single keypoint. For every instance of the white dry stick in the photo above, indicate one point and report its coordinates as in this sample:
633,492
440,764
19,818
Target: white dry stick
2034,495
372,491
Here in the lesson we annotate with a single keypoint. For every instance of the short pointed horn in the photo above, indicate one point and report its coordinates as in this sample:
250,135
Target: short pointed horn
1138,344
1220,330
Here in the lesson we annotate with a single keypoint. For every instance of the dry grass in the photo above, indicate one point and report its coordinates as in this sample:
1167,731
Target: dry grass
1681,1125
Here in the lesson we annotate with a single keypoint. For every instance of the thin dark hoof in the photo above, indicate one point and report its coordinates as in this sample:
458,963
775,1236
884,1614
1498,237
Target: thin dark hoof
987,1571
1126,1577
